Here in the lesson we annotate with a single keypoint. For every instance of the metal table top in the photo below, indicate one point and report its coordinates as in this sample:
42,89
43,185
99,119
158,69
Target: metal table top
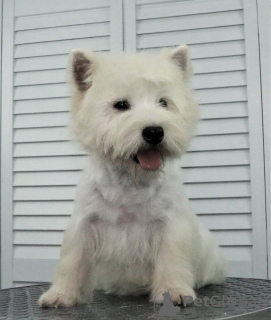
237,298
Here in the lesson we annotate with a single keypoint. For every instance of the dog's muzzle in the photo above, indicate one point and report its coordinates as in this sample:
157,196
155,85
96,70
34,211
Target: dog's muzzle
153,135
150,159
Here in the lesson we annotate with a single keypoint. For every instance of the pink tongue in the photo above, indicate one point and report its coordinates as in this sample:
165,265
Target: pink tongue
149,160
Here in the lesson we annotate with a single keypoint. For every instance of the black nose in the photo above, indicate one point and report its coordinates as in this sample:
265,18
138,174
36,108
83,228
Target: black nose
153,135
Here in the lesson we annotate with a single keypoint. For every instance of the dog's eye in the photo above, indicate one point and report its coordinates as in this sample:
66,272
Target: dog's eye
122,105
163,103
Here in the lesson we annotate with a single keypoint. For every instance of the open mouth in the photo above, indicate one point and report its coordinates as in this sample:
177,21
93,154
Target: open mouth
136,159
148,159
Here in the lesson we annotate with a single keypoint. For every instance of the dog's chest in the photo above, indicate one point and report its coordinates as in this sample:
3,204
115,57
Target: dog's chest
130,205
126,216
128,241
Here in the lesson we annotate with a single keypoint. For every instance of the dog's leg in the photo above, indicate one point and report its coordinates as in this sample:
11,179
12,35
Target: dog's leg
73,276
172,269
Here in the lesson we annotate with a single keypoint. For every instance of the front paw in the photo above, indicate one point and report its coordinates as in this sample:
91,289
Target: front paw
56,297
181,295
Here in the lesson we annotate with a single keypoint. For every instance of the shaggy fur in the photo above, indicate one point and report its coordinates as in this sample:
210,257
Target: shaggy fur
133,230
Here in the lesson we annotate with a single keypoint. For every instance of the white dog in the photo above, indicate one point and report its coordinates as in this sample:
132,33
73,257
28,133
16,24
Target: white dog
133,230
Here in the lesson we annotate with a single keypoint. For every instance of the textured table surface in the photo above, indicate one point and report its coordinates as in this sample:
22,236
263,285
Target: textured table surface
236,297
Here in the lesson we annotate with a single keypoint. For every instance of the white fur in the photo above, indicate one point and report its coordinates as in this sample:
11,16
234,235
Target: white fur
132,230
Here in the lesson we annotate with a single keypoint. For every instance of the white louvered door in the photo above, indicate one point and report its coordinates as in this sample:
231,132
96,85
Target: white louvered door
40,165
223,170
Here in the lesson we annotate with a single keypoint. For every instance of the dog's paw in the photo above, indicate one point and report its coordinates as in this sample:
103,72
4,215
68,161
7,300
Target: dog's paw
177,295
58,298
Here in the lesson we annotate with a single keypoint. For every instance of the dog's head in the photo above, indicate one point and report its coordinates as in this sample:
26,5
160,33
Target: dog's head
133,109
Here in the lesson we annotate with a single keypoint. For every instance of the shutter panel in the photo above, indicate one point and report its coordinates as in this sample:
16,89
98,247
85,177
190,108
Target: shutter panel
44,164
224,165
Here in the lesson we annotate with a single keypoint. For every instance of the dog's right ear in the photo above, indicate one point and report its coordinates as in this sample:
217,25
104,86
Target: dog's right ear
81,68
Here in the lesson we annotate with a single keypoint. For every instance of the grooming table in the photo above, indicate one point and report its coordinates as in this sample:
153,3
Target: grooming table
237,298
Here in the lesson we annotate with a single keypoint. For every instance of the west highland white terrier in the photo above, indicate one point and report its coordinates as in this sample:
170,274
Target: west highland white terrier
133,230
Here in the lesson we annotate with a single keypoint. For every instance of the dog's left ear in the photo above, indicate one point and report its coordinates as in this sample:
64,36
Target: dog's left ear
181,56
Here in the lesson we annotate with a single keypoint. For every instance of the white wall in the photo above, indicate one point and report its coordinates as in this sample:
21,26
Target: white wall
264,14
